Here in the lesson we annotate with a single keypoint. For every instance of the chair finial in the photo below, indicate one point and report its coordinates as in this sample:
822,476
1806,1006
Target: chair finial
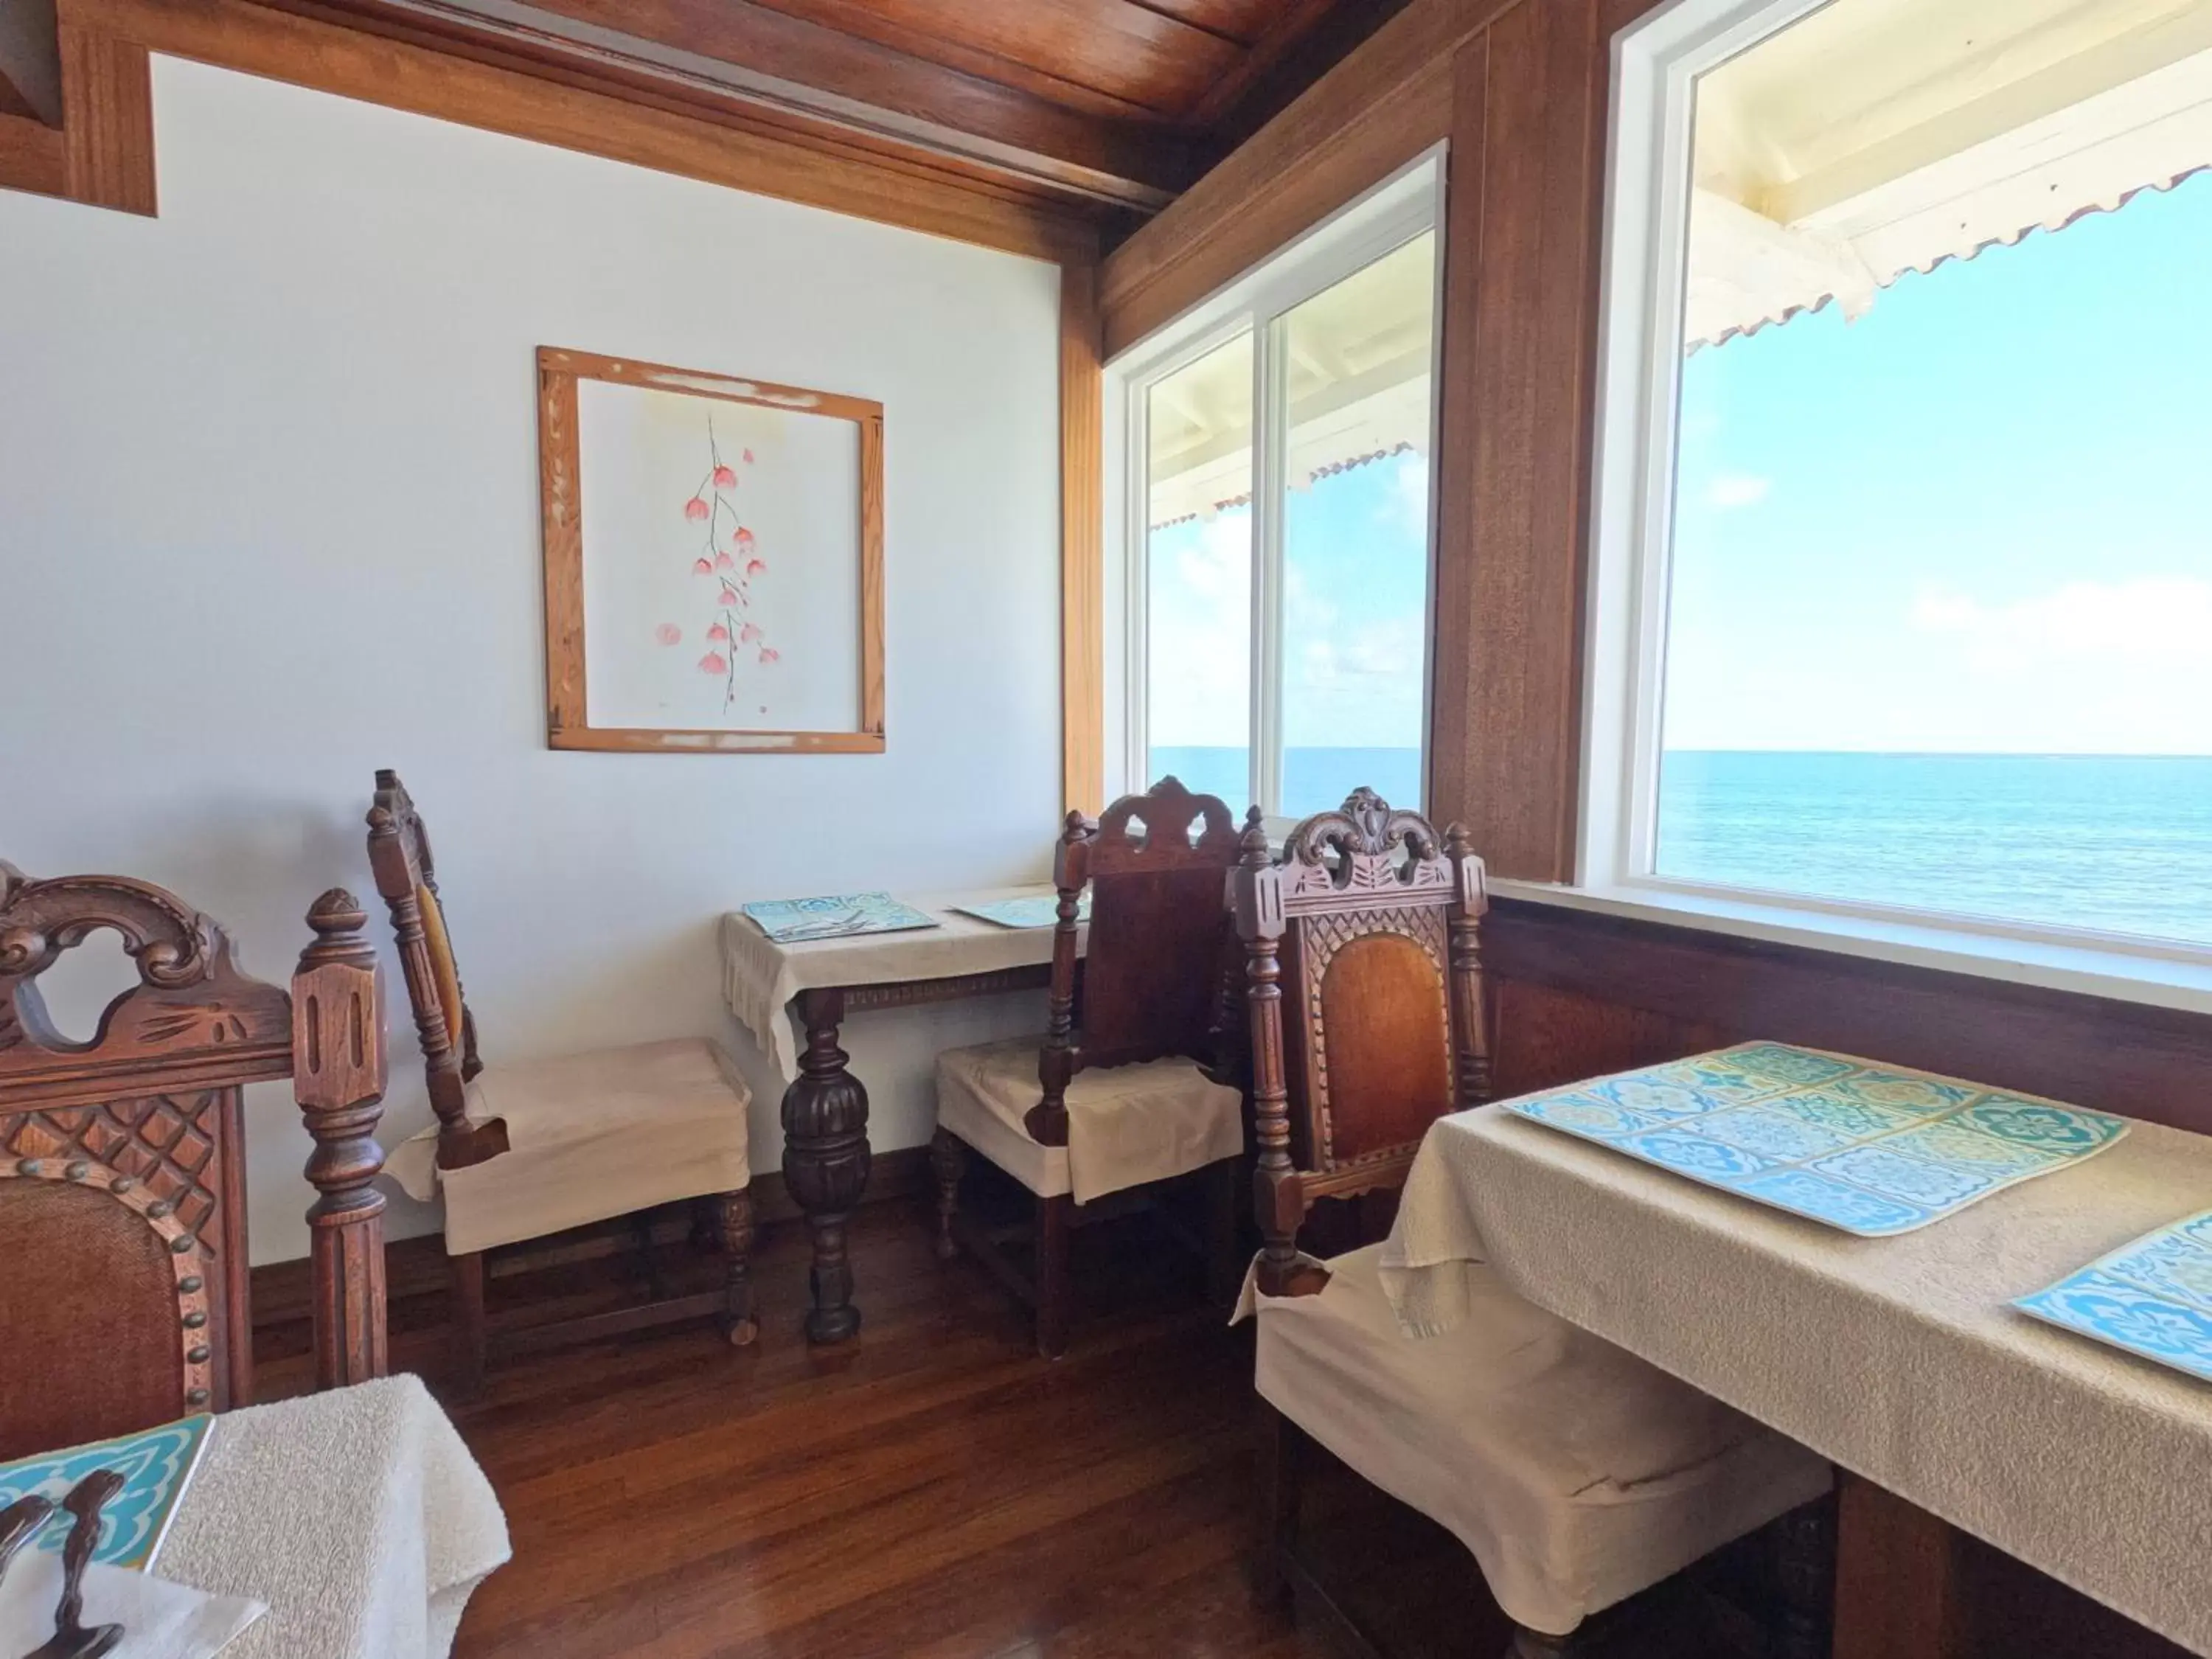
337,918
337,911
1252,849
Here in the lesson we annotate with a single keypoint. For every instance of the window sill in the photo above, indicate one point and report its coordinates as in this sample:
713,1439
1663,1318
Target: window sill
2167,977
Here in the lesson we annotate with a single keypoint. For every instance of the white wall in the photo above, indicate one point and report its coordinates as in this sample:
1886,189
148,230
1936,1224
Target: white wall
269,520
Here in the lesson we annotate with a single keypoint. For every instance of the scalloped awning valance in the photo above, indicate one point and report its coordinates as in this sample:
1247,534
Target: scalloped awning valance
1878,137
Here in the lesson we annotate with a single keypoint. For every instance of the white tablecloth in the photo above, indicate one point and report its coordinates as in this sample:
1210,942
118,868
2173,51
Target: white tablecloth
358,1515
760,977
1897,1358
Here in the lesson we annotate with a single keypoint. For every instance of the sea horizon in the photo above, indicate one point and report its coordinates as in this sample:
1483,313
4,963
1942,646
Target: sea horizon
2113,842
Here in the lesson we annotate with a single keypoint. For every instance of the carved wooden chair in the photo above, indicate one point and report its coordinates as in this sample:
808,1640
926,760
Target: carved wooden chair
1128,1088
123,1258
1575,1474
522,1151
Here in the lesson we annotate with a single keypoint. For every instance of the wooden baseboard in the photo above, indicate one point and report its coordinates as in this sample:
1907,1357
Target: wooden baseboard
283,1291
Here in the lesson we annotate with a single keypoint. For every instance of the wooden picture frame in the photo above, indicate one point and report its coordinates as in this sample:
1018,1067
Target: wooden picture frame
561,488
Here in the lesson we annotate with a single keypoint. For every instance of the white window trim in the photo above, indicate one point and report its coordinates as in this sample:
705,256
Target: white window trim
1654,62
1395,211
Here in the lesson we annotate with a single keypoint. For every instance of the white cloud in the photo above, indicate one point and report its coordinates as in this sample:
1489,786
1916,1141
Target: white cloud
2122,666
2165,618
1201,626
1405,509
1735,490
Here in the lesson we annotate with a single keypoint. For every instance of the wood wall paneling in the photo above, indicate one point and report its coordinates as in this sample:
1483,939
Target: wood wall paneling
1691,989
31,156
1379,108
107,120
1081,569
1506,693
1459,416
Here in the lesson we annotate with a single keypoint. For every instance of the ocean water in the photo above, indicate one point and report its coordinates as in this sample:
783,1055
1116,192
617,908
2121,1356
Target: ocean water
2118,843
1314,780
2121,843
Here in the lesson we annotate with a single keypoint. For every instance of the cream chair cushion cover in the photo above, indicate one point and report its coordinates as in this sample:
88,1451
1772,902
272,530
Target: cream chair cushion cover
589,1136
1126,1125
1576,1474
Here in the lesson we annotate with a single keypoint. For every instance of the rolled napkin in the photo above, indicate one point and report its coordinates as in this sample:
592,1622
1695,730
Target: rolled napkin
160,1619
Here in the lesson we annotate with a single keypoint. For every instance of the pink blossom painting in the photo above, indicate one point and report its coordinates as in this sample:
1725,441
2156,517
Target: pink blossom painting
728,562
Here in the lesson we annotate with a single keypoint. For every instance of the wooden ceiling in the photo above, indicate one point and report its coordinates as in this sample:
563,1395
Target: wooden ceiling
1116,105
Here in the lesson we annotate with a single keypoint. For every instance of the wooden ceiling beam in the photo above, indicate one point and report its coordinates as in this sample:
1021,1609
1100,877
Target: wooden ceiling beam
1298,19
1138,59
12,101
30,61
734,52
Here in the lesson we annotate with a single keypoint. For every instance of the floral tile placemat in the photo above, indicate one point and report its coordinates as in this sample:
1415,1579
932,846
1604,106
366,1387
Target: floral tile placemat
836,915
1040,911
155,1465
1872,1150
2152,1298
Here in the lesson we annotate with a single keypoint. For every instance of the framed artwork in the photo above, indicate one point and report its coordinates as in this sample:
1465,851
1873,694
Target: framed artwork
714,562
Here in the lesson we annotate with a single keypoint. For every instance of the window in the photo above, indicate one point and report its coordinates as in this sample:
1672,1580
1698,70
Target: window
1279,523
1903,595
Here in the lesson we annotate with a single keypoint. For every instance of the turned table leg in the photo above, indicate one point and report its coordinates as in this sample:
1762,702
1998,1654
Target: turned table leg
825,1159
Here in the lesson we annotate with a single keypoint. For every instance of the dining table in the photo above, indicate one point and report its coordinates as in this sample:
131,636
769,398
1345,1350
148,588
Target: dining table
813,984
1901,1358
356,1516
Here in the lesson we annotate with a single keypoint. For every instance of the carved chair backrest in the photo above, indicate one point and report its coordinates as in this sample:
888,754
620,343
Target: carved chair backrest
1157,970
407,881
1158,865
122,1251
1364,976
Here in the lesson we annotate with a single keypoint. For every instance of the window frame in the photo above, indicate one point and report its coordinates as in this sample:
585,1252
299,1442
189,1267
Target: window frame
1643,274
1402,208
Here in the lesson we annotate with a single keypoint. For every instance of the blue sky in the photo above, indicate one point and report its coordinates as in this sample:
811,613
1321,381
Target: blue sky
1979,519
1356,592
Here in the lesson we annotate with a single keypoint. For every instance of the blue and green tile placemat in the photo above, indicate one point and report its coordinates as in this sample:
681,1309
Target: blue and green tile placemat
1039,910
155,1465
2152,1298
1872,1150
836,915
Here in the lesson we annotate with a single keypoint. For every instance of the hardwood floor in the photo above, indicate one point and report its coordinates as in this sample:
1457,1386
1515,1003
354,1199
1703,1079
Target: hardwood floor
930,1491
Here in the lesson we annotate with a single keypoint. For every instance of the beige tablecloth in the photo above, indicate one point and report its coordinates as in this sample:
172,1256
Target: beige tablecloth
357,1516
760,977
1897,1358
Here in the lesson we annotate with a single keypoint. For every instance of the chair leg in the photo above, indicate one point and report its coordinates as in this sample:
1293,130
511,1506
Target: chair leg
468,1317
648,1263
738,1323
1053,1292
1282,1471
1225,1272
705,1225
948,1160
1534,1644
